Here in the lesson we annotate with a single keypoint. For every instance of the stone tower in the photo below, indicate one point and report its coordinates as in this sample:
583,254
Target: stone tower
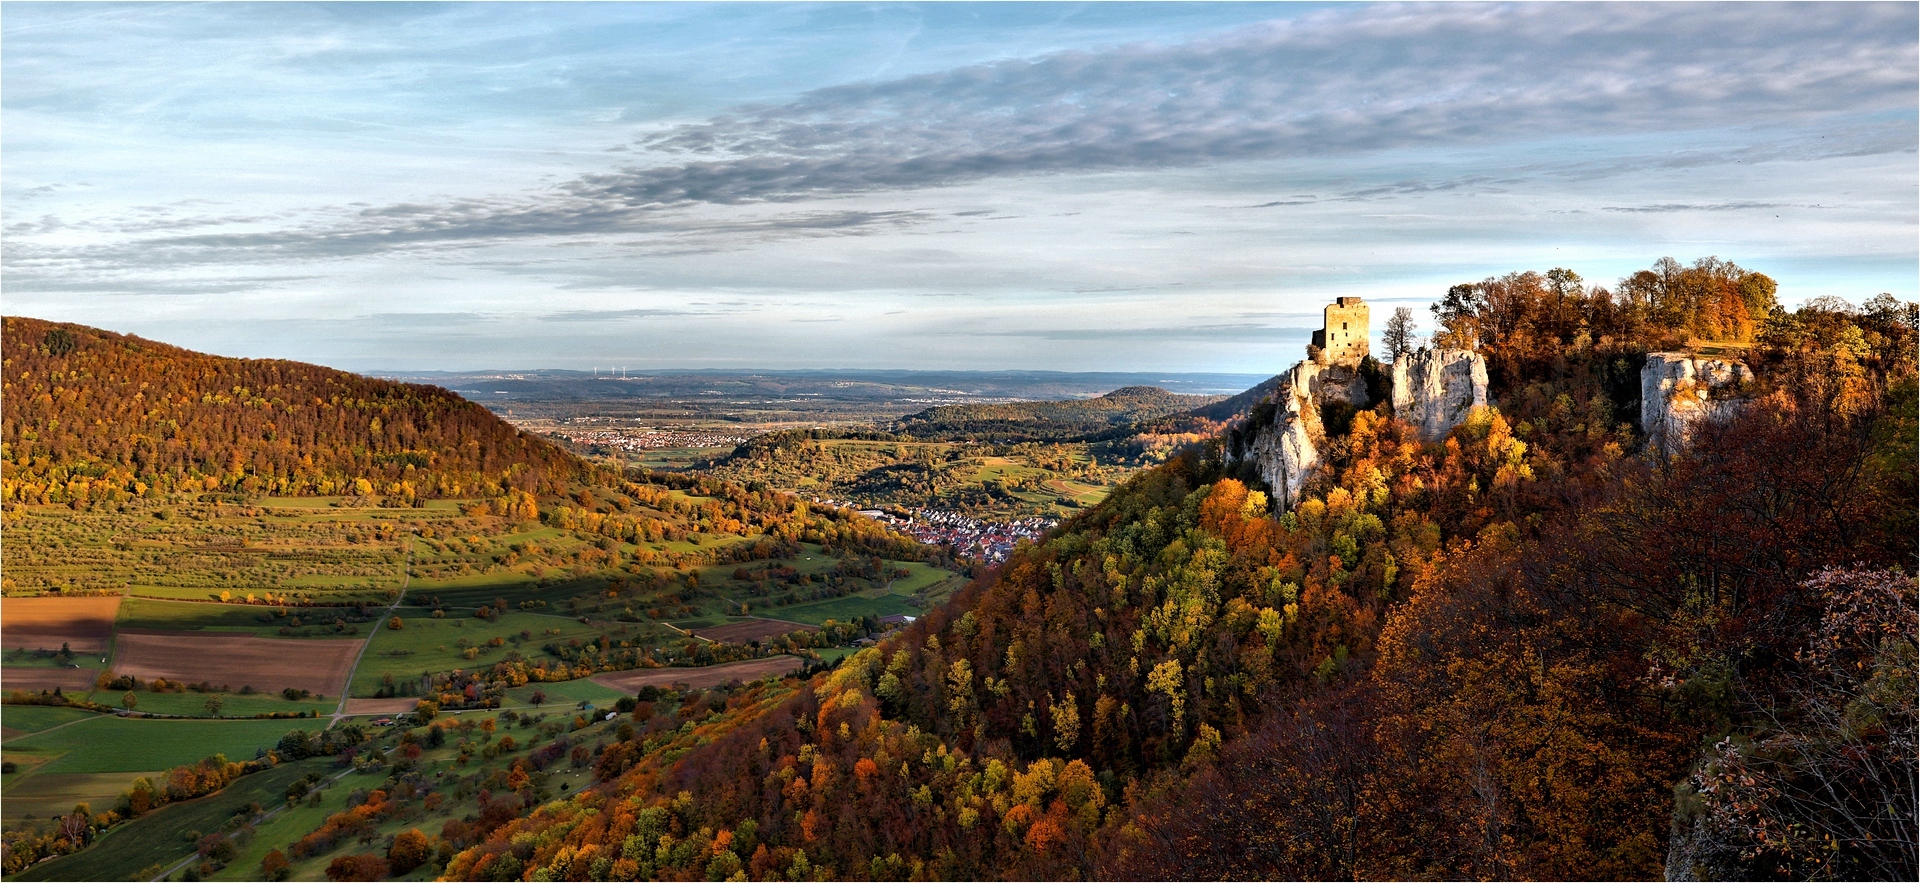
1344,337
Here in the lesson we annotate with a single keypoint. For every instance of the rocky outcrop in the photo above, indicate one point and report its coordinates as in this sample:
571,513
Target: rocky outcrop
1434,389
1287,451
1678,392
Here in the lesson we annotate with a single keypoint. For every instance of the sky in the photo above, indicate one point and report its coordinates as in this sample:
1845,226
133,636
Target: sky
1075,187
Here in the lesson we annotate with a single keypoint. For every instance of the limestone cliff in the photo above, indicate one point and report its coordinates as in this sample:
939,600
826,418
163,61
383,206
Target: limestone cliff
1286,450
1678,392
1434,389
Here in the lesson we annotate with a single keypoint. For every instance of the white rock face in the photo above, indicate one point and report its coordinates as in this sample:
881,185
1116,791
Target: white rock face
1434,389
1678,392
1287,451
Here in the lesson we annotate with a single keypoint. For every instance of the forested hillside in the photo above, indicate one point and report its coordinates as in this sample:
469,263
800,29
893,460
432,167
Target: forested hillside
94,416
1046,421
1498,656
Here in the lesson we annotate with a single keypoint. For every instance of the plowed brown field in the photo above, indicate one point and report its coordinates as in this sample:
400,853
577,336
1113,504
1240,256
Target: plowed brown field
83,623
381,706
701,678
69,680
236,660
752,630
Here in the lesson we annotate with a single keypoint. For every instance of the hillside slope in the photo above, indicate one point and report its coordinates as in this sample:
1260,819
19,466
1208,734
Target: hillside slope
1437,665
1046,421
92,416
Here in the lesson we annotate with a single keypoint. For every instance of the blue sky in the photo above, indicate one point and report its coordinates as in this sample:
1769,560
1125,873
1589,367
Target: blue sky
1159,187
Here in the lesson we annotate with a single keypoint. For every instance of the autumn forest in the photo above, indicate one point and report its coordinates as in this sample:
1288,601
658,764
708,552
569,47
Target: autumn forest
1534,649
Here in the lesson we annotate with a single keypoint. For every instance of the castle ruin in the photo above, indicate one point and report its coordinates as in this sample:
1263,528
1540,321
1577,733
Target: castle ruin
1343,337
1433,390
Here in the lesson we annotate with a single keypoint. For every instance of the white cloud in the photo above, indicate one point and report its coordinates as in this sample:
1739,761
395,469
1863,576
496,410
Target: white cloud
1078,197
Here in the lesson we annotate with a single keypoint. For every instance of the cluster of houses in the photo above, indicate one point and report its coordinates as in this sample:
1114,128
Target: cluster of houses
644,439
989,541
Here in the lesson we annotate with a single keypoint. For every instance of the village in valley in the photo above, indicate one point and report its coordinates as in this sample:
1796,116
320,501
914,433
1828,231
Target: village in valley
990,542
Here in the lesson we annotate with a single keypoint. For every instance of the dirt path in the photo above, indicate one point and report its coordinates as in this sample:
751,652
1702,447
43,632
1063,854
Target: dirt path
52,728
406,576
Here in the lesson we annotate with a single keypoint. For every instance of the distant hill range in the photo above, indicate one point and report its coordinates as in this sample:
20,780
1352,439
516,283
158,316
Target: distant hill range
1049,421
92,416
874,386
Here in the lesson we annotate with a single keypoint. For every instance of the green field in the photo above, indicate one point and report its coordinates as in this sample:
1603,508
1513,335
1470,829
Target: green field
429,644
142,848
231,704
921,576
564,693
883,596
835,654
114,744
34,718
246,619
844,609
44,796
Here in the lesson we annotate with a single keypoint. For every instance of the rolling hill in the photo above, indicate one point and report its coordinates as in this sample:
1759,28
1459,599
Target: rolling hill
1437,665
189,536
1525,651
94,416
1046,421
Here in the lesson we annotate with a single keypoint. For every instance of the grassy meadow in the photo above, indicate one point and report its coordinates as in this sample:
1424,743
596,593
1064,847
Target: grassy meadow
141,849
109,744
321,572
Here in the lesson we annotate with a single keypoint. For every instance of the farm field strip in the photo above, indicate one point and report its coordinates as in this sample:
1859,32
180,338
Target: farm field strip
358,707
46,795
67,680
151,846
199,705
346,680
230,660
846,609
28,719
294,821
426,643
750,630
86,623
106,744
700,678
579,690
259,620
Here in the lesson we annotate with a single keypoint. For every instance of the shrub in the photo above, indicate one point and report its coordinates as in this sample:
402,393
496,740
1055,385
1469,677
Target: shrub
357,867
275,866
410,850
